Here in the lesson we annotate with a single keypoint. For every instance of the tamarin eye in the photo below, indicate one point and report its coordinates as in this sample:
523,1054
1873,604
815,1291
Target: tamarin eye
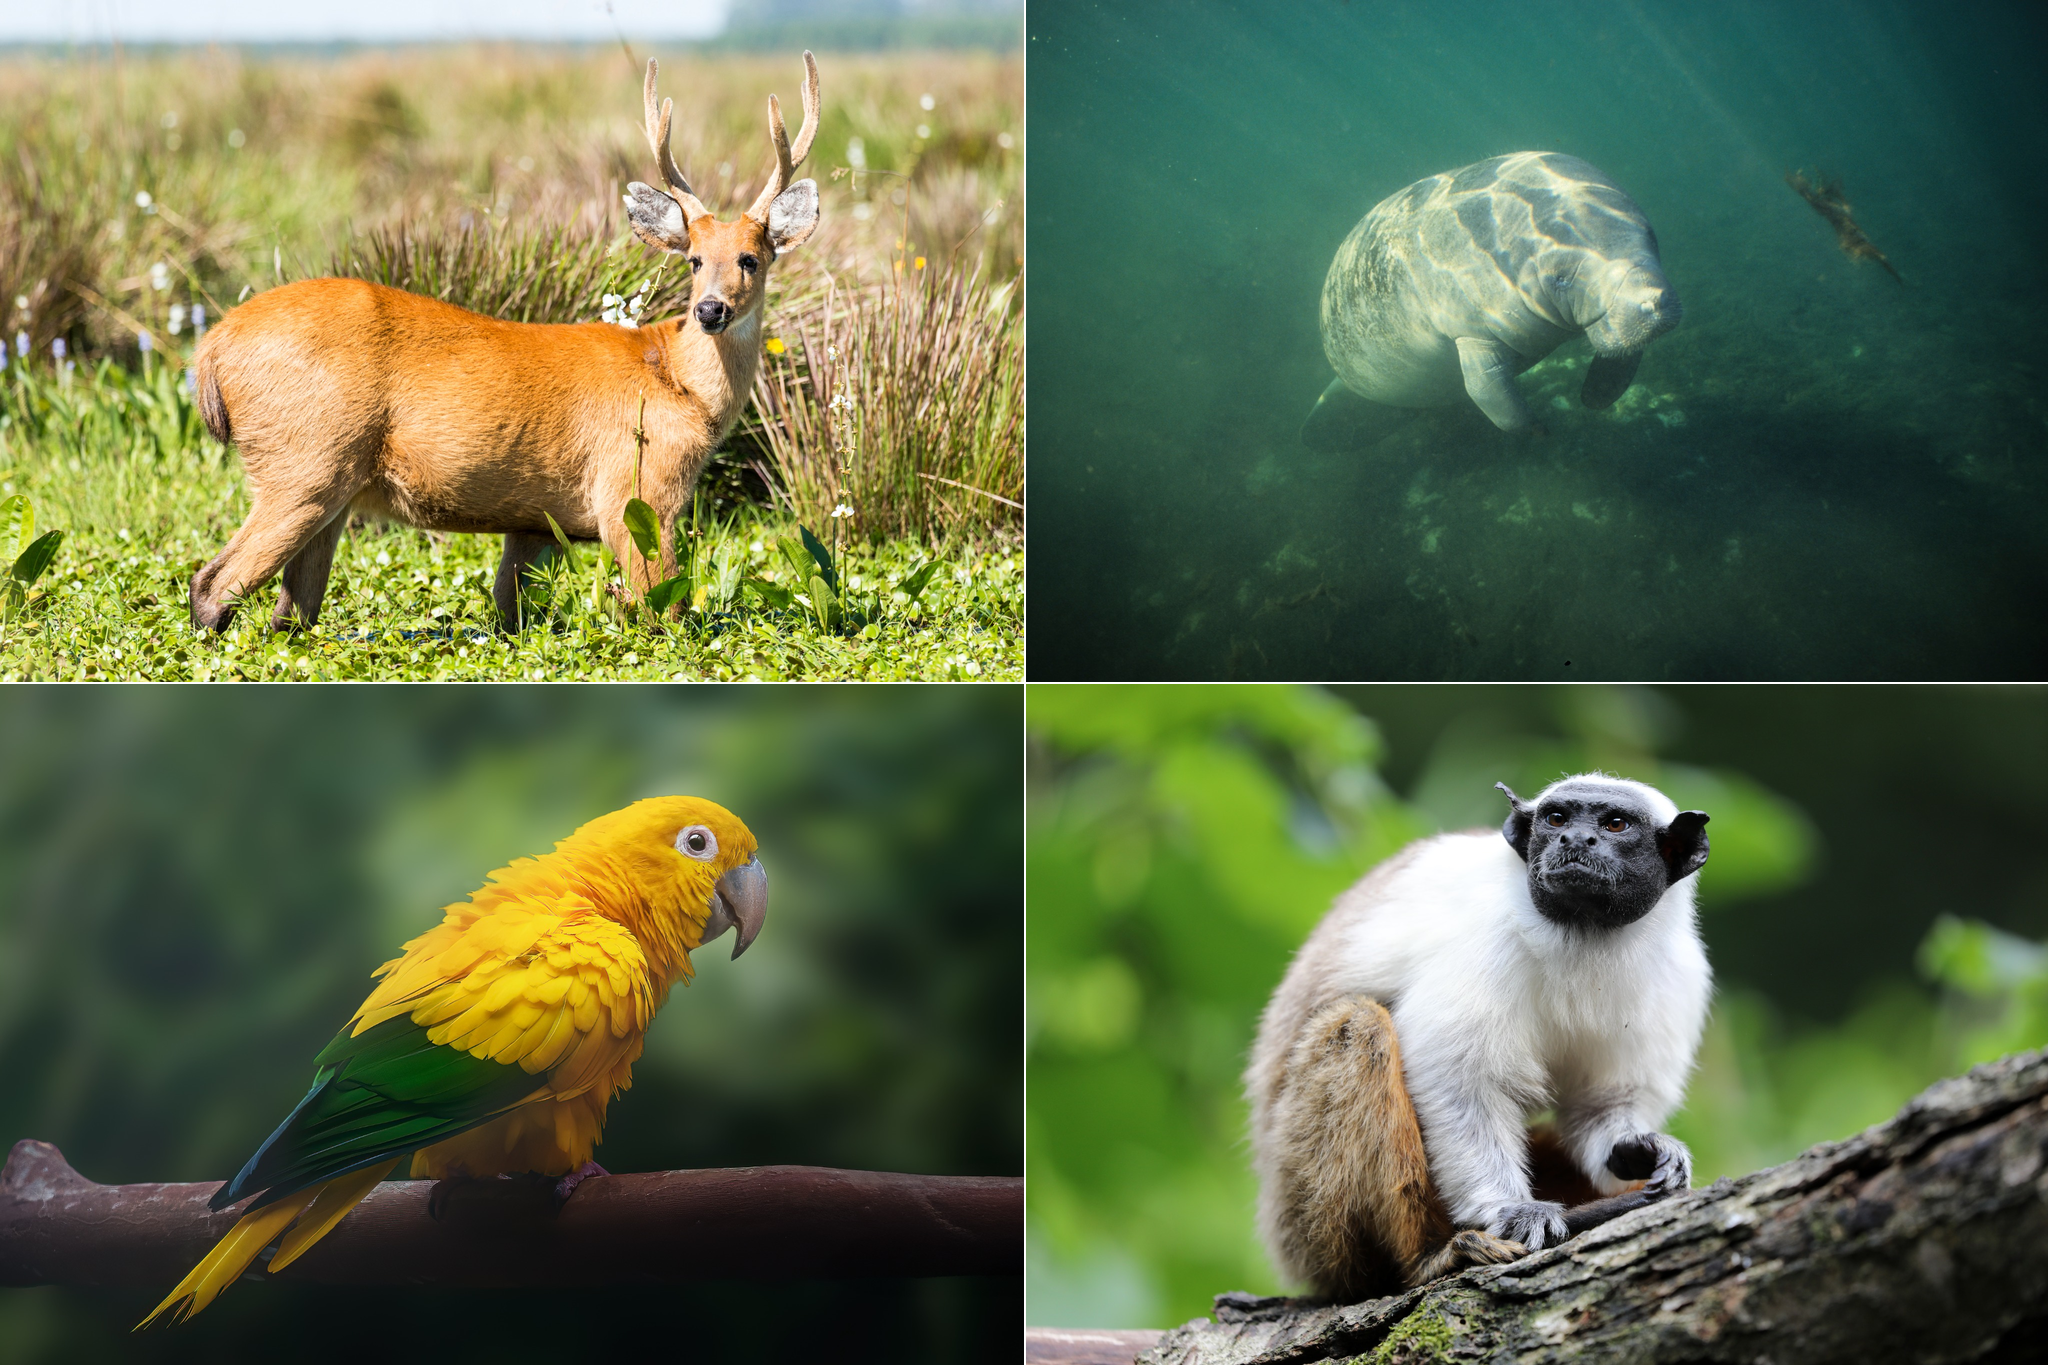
1615,824
1555,819
697,842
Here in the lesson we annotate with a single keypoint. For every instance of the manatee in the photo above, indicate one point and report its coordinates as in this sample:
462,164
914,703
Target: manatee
1460,282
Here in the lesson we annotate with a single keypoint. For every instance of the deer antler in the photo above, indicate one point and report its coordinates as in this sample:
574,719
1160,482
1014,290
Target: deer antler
658,117
787,159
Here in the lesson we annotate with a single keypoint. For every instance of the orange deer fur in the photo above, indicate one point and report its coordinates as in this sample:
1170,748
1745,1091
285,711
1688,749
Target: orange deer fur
343,395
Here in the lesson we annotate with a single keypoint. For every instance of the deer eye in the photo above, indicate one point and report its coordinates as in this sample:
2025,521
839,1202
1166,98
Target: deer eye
750,263
696,263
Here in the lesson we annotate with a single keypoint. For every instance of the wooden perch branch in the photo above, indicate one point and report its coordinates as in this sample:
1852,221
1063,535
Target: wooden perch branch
760,1222
1924,1238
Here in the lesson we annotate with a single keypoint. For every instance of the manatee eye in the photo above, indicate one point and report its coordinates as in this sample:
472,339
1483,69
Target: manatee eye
750,263
1555,819
1615,824
697,842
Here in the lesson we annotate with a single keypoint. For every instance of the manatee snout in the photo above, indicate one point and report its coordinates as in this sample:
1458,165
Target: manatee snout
1641,309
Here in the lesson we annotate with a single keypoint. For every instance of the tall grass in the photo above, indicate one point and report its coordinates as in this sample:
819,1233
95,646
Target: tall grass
134,189
535,272
900,409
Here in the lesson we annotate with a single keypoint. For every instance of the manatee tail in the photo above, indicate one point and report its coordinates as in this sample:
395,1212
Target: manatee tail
1333,423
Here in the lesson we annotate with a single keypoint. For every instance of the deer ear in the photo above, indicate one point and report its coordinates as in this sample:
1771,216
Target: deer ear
793,216
656,218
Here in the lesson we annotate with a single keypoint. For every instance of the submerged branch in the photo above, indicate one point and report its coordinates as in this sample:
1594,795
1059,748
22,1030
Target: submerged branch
760,1222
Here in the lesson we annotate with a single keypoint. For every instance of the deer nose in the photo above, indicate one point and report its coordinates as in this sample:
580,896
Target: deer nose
714,313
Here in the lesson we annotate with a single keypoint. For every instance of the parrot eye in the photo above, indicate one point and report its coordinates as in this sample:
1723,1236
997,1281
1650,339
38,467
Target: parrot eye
697,842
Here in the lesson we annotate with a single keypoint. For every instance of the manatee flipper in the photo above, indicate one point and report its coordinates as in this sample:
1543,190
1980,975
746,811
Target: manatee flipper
1608,378
1490,380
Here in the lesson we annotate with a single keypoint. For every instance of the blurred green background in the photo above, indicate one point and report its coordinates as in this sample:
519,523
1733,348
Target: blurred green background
1872,907
198,883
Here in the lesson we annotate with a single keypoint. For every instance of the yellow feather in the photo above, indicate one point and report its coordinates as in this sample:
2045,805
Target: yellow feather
502,1044
231,1255
337,1197
561,1033
503,990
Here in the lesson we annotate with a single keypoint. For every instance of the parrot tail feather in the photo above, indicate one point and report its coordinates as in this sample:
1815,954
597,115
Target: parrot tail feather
337,1197
231,1255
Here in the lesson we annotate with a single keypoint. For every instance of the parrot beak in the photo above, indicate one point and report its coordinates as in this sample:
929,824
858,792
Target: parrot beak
740,898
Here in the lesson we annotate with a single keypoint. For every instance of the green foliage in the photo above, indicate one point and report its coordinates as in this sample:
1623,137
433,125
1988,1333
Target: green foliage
121,461
28,555
201,882
1767,1089
1181,842
1997,987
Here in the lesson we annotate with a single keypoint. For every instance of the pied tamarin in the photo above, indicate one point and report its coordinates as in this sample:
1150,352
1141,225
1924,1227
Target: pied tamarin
1461,987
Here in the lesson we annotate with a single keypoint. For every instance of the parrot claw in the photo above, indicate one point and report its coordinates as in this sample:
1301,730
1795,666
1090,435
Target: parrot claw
566,1186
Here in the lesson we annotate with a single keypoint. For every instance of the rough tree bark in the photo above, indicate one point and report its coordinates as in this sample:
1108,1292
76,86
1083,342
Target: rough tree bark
1924,1238
764,1222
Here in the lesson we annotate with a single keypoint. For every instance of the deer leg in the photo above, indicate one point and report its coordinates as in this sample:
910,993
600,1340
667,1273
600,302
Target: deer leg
305,576
265,542
523,549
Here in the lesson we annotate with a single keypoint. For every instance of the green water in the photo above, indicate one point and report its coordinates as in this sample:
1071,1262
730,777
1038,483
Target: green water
1820,474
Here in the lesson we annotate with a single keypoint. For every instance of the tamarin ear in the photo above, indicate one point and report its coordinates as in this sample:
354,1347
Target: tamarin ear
1682,844
1516,829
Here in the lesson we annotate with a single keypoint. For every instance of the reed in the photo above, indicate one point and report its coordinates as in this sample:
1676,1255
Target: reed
898,410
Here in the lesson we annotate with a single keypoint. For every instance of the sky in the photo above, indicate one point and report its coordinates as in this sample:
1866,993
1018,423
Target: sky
258,21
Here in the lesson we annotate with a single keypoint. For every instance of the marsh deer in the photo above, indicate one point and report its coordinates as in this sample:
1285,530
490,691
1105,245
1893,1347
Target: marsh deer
343,395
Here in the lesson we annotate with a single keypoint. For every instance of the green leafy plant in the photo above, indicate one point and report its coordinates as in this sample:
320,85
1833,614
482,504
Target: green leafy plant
28,555
811,562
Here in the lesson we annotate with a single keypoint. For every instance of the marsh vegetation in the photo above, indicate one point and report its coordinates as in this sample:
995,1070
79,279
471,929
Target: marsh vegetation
140,198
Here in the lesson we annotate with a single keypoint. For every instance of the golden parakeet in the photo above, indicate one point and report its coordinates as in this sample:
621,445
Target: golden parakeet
495,1042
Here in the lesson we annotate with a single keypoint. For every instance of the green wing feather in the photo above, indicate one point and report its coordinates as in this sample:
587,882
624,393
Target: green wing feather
380,1094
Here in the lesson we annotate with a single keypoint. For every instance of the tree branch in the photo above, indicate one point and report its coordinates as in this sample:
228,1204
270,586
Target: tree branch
759,1222
1924,1238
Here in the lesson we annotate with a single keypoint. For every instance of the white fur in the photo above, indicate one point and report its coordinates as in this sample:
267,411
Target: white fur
1501,1013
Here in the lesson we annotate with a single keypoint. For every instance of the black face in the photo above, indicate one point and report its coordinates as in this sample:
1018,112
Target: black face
1597,859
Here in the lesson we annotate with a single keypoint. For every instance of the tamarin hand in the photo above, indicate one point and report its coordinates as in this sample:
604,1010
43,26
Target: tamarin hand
1661,1160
